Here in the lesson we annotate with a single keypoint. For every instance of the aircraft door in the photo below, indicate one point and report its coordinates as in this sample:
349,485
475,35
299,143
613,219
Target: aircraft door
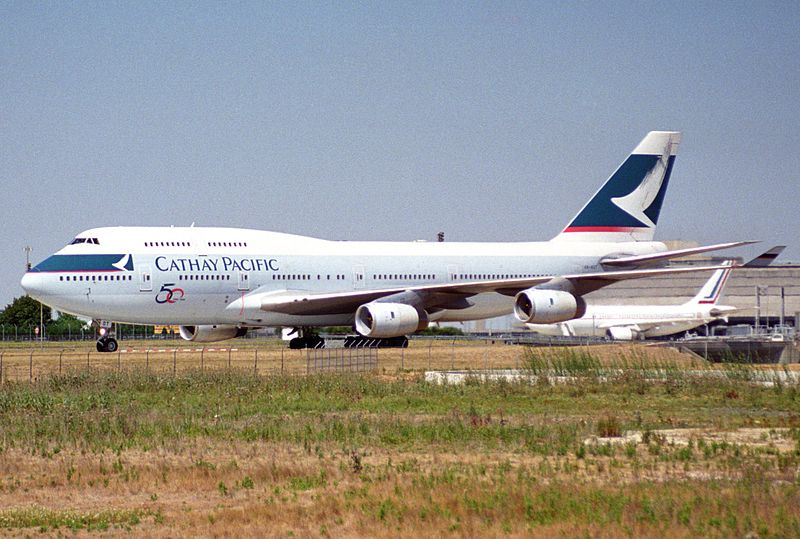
145,279
359,279
244,280
452,273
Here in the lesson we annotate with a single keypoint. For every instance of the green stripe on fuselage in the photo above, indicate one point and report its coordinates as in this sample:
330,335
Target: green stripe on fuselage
84,263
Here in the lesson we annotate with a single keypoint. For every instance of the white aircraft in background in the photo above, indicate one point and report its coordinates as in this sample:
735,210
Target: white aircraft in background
217,282
629,322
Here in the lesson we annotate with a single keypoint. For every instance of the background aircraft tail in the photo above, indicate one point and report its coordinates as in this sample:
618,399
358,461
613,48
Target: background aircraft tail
627,206
712,290
765,259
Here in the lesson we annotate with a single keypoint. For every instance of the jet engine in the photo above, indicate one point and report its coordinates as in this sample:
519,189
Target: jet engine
211,333
622,333
538,306
389,320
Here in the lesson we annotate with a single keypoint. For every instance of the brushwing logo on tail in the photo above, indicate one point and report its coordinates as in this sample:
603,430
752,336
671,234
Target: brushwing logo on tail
628,204
640,199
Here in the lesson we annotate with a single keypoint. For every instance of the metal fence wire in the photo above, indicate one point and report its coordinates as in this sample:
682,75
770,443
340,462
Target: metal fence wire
341,360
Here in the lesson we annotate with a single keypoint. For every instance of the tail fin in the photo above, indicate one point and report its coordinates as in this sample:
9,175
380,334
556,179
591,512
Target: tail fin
765,259
712,290
627,206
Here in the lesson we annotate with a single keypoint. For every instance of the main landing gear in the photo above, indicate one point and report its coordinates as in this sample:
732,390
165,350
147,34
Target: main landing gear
306,340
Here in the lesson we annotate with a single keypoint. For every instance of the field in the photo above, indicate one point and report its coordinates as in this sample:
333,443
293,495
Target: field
156,444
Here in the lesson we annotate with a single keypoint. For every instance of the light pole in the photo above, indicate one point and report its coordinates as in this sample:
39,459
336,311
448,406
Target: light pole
761,290
27,250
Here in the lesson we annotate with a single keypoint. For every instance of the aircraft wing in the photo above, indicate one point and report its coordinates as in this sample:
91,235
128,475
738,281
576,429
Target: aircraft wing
444,296
667,255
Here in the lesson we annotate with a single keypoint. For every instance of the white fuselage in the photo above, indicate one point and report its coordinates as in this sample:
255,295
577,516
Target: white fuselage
643,320
194,275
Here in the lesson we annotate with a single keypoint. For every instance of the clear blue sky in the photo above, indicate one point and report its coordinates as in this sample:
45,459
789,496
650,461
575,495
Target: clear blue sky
489,121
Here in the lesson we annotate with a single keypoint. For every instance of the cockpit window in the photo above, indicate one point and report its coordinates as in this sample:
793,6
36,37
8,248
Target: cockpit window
85,240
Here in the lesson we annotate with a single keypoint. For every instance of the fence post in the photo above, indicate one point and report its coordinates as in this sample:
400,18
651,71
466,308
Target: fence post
174,362
147,358
202,356
30,368
281,360
229,358
87,361
1,366
60,355
119,359
430,343
255,364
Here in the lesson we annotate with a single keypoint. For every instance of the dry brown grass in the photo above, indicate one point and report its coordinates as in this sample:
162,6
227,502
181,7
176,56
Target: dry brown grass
34,363
673,482
227,489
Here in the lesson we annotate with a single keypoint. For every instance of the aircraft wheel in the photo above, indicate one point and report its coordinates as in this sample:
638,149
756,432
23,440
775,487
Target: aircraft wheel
111,345
312,341
101,346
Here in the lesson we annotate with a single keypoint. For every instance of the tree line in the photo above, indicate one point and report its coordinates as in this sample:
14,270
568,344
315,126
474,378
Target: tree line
21,317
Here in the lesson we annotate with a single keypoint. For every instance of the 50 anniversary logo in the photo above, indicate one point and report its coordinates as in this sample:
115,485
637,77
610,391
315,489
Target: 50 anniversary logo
169,295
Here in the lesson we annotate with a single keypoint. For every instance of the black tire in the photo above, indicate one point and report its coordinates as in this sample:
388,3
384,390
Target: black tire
301,343
111,345
101,345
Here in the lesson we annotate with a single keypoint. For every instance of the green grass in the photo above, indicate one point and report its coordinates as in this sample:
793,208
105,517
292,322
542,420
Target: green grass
122,410
45,519
366,454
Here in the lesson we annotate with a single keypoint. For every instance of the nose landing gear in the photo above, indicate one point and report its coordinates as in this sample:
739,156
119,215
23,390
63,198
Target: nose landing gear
106,343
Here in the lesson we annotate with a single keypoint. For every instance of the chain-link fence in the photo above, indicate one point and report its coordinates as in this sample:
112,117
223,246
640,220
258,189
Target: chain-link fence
262,357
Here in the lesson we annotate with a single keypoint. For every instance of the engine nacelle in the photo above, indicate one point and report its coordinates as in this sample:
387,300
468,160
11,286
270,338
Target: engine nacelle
622,333
538,306
389,320
211,333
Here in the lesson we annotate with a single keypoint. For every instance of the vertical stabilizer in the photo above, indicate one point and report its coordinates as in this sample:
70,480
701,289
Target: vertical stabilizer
627,206
712,290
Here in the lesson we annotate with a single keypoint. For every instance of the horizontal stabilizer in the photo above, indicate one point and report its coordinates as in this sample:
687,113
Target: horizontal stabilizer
641,260
765,259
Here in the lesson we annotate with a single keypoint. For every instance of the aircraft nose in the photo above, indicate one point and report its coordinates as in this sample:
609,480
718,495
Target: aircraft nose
32,284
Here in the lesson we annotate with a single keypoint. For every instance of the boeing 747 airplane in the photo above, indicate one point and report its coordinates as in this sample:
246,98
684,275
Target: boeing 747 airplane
216,283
